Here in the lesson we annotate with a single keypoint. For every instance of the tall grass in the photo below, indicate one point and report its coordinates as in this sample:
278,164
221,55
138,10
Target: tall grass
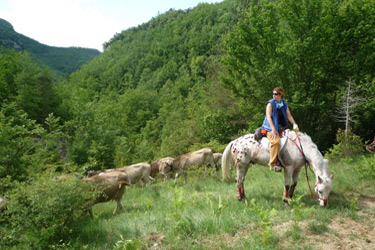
205,213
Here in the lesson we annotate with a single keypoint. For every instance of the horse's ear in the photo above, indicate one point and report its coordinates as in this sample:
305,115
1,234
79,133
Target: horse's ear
331,176
320,180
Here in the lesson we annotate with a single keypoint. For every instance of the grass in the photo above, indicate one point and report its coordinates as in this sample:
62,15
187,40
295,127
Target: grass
205,214
318,228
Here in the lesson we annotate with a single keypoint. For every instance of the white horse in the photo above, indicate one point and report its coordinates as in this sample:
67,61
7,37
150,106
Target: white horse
246,150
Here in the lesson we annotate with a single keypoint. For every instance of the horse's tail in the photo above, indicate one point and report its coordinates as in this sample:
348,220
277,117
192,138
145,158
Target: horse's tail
226,160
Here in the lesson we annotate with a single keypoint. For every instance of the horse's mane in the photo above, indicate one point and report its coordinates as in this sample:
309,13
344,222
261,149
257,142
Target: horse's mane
307,140
304,136
312,151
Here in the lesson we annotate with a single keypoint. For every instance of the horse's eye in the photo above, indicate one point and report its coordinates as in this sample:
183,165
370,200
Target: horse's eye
320,192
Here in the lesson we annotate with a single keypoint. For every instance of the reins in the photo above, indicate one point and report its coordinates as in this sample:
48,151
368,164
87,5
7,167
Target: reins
307,164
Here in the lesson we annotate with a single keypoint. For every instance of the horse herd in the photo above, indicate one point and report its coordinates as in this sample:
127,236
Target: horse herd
297,151
112,182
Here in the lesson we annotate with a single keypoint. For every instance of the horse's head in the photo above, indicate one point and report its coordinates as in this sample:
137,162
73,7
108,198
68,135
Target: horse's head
241,160
241,155
165,167
243,152
324,187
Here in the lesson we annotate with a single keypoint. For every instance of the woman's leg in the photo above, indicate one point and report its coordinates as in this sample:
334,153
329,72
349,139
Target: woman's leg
274,149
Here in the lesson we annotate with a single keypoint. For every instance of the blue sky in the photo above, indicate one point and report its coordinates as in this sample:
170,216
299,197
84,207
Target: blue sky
83,23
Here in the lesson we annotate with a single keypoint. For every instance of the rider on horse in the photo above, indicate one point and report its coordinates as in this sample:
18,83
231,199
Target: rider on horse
275,121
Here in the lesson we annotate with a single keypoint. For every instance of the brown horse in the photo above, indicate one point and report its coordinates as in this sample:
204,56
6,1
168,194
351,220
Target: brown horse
371,147
181,163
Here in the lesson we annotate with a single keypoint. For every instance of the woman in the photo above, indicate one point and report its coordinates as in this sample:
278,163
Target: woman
277,113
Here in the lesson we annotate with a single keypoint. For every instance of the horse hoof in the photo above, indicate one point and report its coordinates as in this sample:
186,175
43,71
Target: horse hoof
241,198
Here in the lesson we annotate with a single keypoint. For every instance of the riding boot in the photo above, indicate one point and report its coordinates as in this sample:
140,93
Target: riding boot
278,166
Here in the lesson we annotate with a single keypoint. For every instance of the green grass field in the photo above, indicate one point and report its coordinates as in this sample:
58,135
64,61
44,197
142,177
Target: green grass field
205,214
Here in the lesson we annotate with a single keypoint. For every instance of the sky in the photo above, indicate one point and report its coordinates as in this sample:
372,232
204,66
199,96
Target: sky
83,23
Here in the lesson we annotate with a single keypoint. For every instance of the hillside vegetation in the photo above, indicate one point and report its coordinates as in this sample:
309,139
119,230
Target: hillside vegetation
186,79
62,61
200,77
194,78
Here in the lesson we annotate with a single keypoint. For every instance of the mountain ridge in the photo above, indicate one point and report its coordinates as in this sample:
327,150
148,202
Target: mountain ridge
62,60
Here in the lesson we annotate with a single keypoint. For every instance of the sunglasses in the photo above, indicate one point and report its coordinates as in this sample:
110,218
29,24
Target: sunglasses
275,93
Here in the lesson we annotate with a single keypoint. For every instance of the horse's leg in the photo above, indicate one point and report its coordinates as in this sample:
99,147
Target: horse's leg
243,189
148,181
241,173
240,190
213,164
175,178
293,186
118,206
239,184
287,177
185,175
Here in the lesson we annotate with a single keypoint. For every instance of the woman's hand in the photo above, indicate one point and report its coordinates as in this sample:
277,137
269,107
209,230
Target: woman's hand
295,127
274,134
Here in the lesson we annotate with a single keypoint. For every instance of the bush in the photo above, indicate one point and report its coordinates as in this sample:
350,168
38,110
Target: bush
366,167
43,212
348,145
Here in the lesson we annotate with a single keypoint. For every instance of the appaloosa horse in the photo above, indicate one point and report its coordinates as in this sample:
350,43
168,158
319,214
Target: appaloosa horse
298,149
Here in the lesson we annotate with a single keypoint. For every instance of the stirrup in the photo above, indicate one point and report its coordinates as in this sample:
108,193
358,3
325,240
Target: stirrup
277,168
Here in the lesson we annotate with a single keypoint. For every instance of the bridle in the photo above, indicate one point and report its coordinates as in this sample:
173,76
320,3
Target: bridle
307,165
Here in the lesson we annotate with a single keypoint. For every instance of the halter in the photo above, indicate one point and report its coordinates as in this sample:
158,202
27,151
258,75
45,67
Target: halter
320,198
307,164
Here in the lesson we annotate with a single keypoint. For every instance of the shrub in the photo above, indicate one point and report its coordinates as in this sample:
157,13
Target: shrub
366,167
348,145
44,211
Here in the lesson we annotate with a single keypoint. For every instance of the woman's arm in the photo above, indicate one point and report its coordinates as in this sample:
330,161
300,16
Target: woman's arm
291,119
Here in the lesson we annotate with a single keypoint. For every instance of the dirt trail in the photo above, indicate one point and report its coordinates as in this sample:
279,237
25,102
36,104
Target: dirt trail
343,233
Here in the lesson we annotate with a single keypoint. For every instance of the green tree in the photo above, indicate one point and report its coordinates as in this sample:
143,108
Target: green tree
25,83
8,69
299,45
17,141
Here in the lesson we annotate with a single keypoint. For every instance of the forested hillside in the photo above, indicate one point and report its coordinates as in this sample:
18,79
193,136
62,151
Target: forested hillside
193,78
62,61
202,76
155,91
199,77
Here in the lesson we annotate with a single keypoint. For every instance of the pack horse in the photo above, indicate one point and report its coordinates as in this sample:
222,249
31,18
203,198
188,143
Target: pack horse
297,149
